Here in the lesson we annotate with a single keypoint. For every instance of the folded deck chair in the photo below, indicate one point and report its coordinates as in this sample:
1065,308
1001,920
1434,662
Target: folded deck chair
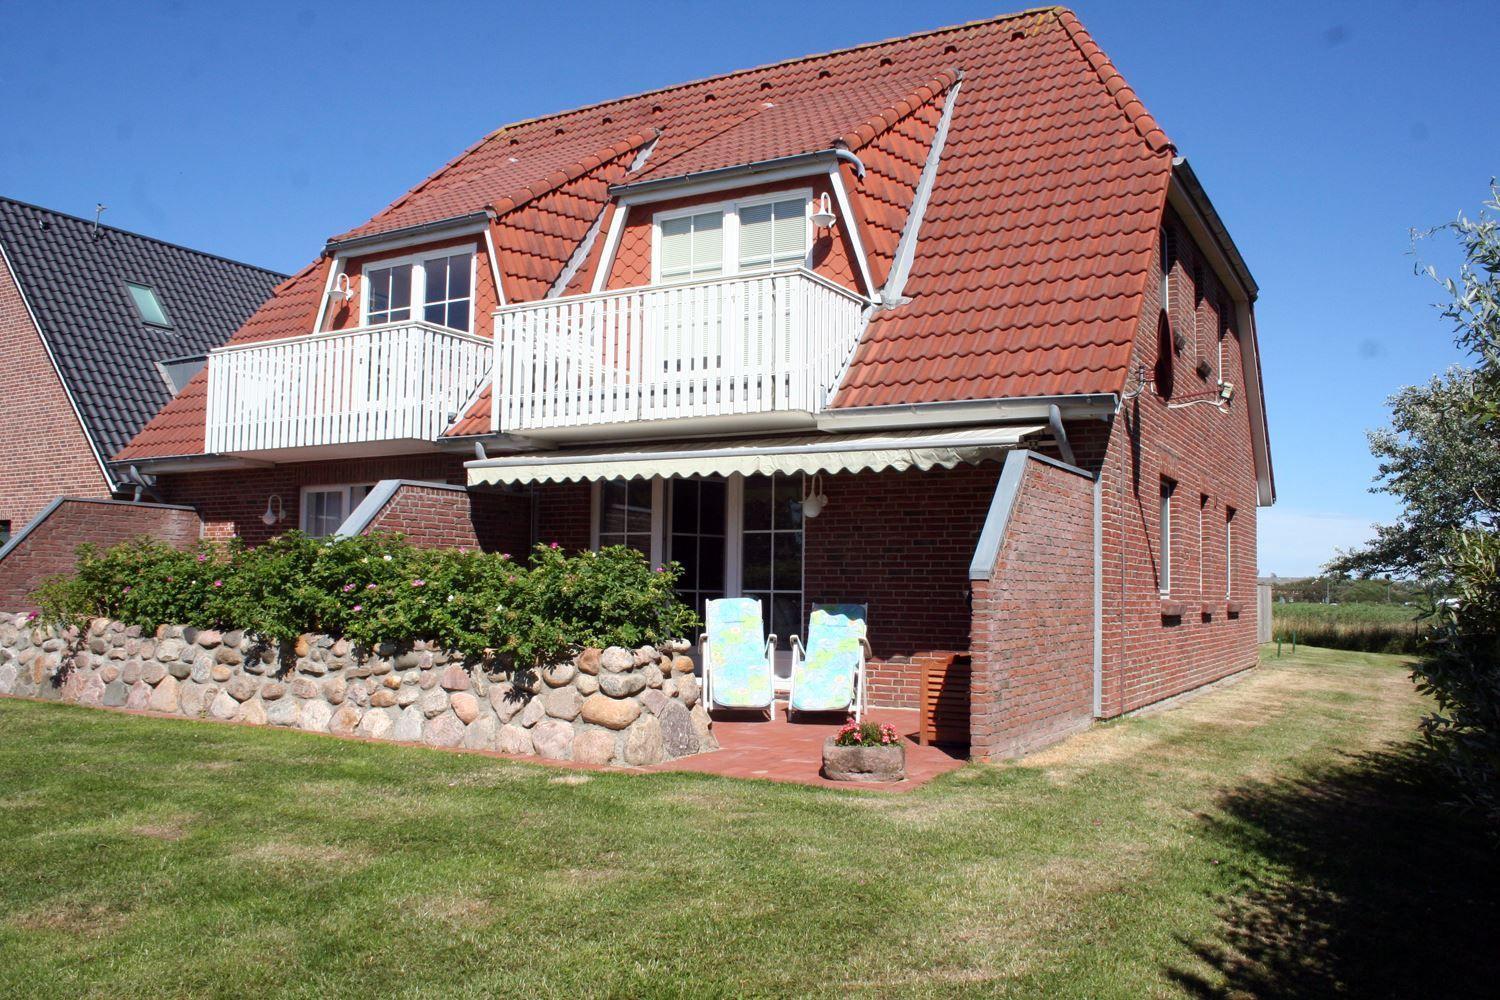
828,675
736,659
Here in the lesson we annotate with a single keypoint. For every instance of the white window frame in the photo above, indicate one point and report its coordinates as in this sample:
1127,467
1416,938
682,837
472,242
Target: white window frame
418,263
304,508
1230,514
658,517
730,212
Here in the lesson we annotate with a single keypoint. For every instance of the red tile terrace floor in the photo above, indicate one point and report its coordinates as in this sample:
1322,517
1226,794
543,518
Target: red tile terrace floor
751,747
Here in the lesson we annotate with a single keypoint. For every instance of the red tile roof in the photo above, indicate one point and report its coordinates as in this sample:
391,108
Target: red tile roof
1032,257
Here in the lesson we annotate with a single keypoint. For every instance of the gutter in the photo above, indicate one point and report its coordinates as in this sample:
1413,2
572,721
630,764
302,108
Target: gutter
454,225
912,415
814,162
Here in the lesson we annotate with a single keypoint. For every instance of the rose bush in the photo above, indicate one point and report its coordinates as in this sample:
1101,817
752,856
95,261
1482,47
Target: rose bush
378,588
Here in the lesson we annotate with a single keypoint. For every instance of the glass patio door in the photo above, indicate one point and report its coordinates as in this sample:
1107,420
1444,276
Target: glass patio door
697,540
771,556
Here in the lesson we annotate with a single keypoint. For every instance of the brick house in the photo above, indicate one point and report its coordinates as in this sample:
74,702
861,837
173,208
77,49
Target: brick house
98,329
943,325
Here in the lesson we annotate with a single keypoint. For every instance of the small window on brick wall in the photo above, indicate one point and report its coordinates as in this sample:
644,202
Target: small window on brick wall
1228,552
1202,541
4,532
324,508
1164,574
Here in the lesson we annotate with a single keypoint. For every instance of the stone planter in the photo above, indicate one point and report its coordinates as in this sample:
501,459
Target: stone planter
887,763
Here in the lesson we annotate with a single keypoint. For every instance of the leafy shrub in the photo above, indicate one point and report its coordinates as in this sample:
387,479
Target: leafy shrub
378,588
1464,674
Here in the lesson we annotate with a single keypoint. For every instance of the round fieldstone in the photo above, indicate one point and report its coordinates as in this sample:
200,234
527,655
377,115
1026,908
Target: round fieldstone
682,664
654,676
615,660
116,693
391,681
303,687
229,656
513,739
272,690
594,746
443,731
623,685
253,713
171,649
377,724
532,713
428,680
235,638
704,727
562,703
315,716
164,697
643,742
611,713
241,688
644,655
454,678
505,700
344,721
193,698
689,689
481,733
553,739
679,735
179,670
408,695
357,693
286,712
409,726
384,698
131,672
92,694
140,695
223,706
434,703
653,701
586,684
220,673
465,706
209,638
109,672
203,666
559,674
335,689
588,660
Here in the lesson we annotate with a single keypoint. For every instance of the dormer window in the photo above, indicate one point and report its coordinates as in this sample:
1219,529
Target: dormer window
733,237
437,287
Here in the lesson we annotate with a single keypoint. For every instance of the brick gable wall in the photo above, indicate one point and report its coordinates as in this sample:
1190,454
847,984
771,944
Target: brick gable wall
46,451
1033,627
50,548
438,518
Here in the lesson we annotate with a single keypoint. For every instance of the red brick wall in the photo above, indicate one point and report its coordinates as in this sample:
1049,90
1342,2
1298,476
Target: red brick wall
46,452
231,501
1033,626
563,512
1148,657
50,548
439,518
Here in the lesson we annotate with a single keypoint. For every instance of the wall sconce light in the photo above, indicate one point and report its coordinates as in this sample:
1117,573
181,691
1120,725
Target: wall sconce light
343,291
274,510
824,218
813,497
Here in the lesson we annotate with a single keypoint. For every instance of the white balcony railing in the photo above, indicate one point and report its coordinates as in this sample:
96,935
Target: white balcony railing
393,382
741,345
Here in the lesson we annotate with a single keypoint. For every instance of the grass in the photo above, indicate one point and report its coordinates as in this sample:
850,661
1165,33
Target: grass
1372,628
1280,836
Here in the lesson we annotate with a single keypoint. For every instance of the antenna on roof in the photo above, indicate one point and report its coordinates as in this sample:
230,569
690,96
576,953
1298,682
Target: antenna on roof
99,209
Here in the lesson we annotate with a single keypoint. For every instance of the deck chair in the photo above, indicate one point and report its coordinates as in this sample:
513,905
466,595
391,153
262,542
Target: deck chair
828,674
737,671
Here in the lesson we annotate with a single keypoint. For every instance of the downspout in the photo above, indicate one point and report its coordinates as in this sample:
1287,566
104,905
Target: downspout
1059,434
842,153
1099,595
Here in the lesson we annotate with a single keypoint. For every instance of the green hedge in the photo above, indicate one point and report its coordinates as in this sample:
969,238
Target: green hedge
379,588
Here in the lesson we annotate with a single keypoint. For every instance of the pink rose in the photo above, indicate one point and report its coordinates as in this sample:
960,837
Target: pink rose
357,607
218,583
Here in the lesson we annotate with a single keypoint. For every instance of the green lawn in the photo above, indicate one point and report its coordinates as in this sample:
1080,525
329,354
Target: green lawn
1277,837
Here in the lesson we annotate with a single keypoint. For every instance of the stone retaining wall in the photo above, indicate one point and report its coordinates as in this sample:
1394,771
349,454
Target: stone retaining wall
612,706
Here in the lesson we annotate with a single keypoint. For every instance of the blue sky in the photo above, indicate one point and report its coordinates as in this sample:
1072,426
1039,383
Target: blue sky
1322,131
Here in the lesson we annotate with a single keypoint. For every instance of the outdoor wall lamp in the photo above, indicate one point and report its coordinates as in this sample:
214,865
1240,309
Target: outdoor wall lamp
813,497
274,510
824,218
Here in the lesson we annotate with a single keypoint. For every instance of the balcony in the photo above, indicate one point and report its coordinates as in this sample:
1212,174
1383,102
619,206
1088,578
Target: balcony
726,350
397,382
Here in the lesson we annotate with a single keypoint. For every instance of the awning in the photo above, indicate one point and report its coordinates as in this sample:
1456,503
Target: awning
899,450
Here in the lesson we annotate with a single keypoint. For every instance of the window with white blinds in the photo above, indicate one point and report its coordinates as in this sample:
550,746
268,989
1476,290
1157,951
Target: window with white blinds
692,246
732,237
773,233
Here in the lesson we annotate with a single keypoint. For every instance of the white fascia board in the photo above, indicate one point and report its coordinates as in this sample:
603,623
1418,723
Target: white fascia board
980,411
611,247
836,180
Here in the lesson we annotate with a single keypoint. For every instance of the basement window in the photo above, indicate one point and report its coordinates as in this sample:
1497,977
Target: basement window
147,304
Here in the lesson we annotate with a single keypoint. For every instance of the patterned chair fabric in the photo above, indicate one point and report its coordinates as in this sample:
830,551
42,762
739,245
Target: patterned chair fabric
741,671
824,681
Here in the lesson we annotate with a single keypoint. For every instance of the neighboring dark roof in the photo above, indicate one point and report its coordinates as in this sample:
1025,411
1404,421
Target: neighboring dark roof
73,276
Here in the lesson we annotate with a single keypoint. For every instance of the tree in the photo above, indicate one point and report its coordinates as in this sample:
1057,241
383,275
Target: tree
1440,457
